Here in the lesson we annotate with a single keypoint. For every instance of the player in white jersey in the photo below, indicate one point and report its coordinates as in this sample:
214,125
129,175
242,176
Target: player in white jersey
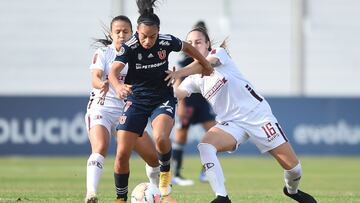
242,115
190,111
105,107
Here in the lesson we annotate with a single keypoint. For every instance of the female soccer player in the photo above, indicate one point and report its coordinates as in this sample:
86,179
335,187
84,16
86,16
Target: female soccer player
191,110
147,94
242,115
104,110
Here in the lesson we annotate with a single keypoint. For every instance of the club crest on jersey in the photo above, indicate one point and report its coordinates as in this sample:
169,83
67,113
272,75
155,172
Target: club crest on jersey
162,54
121,51
139,56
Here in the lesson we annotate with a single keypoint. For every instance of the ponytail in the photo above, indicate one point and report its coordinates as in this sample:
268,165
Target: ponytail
224,45
147,15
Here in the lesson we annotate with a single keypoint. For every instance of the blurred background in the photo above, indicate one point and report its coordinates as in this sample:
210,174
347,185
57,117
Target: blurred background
303,55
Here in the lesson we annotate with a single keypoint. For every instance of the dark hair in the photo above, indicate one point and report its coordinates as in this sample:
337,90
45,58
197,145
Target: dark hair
201,24
107,40
201,27
147,15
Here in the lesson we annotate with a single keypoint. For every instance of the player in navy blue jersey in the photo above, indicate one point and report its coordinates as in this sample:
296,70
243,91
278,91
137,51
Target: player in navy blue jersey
104,109
147,95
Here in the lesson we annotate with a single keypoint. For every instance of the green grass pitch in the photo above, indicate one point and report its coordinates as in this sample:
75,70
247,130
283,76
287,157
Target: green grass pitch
248,179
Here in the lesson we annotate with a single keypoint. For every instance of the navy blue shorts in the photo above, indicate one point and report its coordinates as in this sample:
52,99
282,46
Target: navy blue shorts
198,111
135,116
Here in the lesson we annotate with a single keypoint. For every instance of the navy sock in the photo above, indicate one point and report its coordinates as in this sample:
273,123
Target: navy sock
164,160
121,184
177,156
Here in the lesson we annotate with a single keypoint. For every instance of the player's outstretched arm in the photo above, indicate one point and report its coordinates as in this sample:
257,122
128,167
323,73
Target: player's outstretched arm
205,66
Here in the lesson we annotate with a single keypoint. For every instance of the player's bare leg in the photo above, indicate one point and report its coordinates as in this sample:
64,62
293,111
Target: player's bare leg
216,140
162,126
99,139
286,157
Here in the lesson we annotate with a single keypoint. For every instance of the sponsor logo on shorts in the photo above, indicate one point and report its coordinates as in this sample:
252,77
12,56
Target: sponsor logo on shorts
167,107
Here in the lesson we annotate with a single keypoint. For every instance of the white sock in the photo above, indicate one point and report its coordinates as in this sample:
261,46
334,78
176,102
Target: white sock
94,171
213,168
292,179
153,173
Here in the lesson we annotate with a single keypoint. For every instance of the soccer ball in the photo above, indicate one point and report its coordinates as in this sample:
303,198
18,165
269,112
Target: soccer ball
145,193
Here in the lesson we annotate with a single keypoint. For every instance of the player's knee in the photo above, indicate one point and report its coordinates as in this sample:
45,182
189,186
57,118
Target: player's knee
123,155
162,140
101,149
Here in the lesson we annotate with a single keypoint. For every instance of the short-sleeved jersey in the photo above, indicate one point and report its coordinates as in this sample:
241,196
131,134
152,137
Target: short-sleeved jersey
226,89
147,68
198,108
102,60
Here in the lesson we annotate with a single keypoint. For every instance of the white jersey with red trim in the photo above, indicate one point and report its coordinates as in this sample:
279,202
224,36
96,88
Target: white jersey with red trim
102,60
229,93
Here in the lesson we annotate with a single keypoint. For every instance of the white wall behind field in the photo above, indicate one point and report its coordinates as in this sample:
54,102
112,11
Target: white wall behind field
46,43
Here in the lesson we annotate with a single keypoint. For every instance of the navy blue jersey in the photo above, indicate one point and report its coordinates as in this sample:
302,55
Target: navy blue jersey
147,68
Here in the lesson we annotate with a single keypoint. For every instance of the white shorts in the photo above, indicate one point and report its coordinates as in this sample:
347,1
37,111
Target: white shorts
259,126
107,117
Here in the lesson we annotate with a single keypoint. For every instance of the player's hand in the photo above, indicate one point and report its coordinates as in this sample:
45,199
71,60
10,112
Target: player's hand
104,88
171,77
123,90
